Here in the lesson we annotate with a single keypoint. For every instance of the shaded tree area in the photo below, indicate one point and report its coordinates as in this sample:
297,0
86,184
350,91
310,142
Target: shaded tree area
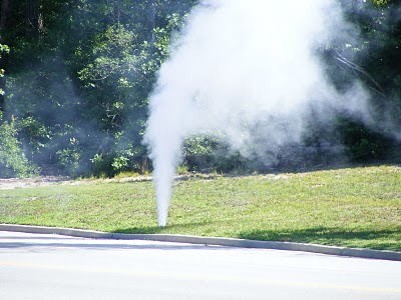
373,59
78,78
79,72
376,62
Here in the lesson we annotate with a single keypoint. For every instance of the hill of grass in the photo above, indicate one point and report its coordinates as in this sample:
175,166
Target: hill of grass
353,207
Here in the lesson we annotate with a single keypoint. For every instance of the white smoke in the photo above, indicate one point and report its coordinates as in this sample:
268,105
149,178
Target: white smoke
240,69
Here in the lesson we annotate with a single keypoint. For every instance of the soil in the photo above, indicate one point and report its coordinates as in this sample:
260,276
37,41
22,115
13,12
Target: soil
13,183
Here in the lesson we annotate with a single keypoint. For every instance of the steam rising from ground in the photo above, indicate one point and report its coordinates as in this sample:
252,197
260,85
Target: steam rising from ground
245,71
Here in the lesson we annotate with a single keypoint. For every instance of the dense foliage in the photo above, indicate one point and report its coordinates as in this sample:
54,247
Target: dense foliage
79,73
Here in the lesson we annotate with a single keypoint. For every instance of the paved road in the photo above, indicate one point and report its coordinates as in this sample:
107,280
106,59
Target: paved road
57,267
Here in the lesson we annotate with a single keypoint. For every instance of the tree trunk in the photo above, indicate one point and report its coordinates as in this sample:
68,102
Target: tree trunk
5,5
151,19
32,14
4,12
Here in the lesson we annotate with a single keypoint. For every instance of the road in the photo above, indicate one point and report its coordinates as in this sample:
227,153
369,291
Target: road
36,266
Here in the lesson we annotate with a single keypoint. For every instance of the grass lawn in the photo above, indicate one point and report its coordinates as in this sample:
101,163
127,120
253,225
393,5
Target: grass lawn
354,207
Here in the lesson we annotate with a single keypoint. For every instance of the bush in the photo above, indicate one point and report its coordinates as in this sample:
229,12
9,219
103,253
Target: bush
209,154
363,144
13,162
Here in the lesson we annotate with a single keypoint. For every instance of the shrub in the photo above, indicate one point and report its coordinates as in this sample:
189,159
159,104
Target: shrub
13,162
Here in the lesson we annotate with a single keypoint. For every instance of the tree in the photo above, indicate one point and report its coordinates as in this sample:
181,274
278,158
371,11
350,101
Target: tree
13,162
4,15
80,76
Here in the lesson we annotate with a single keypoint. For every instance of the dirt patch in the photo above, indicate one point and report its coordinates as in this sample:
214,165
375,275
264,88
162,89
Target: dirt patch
14,183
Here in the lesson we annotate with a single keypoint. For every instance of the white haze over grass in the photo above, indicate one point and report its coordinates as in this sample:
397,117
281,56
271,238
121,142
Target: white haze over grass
244,71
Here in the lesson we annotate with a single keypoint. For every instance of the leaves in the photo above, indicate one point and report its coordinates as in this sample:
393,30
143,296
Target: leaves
12,159
79,79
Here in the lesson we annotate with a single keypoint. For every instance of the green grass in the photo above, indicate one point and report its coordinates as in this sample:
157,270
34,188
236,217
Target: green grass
355,207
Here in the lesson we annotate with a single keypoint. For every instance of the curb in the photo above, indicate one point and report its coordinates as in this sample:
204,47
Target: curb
215,241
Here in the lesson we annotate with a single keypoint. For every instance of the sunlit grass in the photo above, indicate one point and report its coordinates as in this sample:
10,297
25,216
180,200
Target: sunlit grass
355,207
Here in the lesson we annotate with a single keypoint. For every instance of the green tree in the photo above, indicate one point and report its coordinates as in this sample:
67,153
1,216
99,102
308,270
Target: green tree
3,49
13,162
79,77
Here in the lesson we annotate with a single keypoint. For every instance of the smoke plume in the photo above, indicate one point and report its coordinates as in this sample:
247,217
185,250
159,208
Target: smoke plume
247,72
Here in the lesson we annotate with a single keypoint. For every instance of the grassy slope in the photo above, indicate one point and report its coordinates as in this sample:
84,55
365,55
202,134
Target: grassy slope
359,207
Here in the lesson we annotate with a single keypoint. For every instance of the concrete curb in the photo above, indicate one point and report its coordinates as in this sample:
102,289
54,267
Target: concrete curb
229,242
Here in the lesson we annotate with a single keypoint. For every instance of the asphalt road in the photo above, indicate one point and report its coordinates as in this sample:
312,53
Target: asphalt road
36,266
